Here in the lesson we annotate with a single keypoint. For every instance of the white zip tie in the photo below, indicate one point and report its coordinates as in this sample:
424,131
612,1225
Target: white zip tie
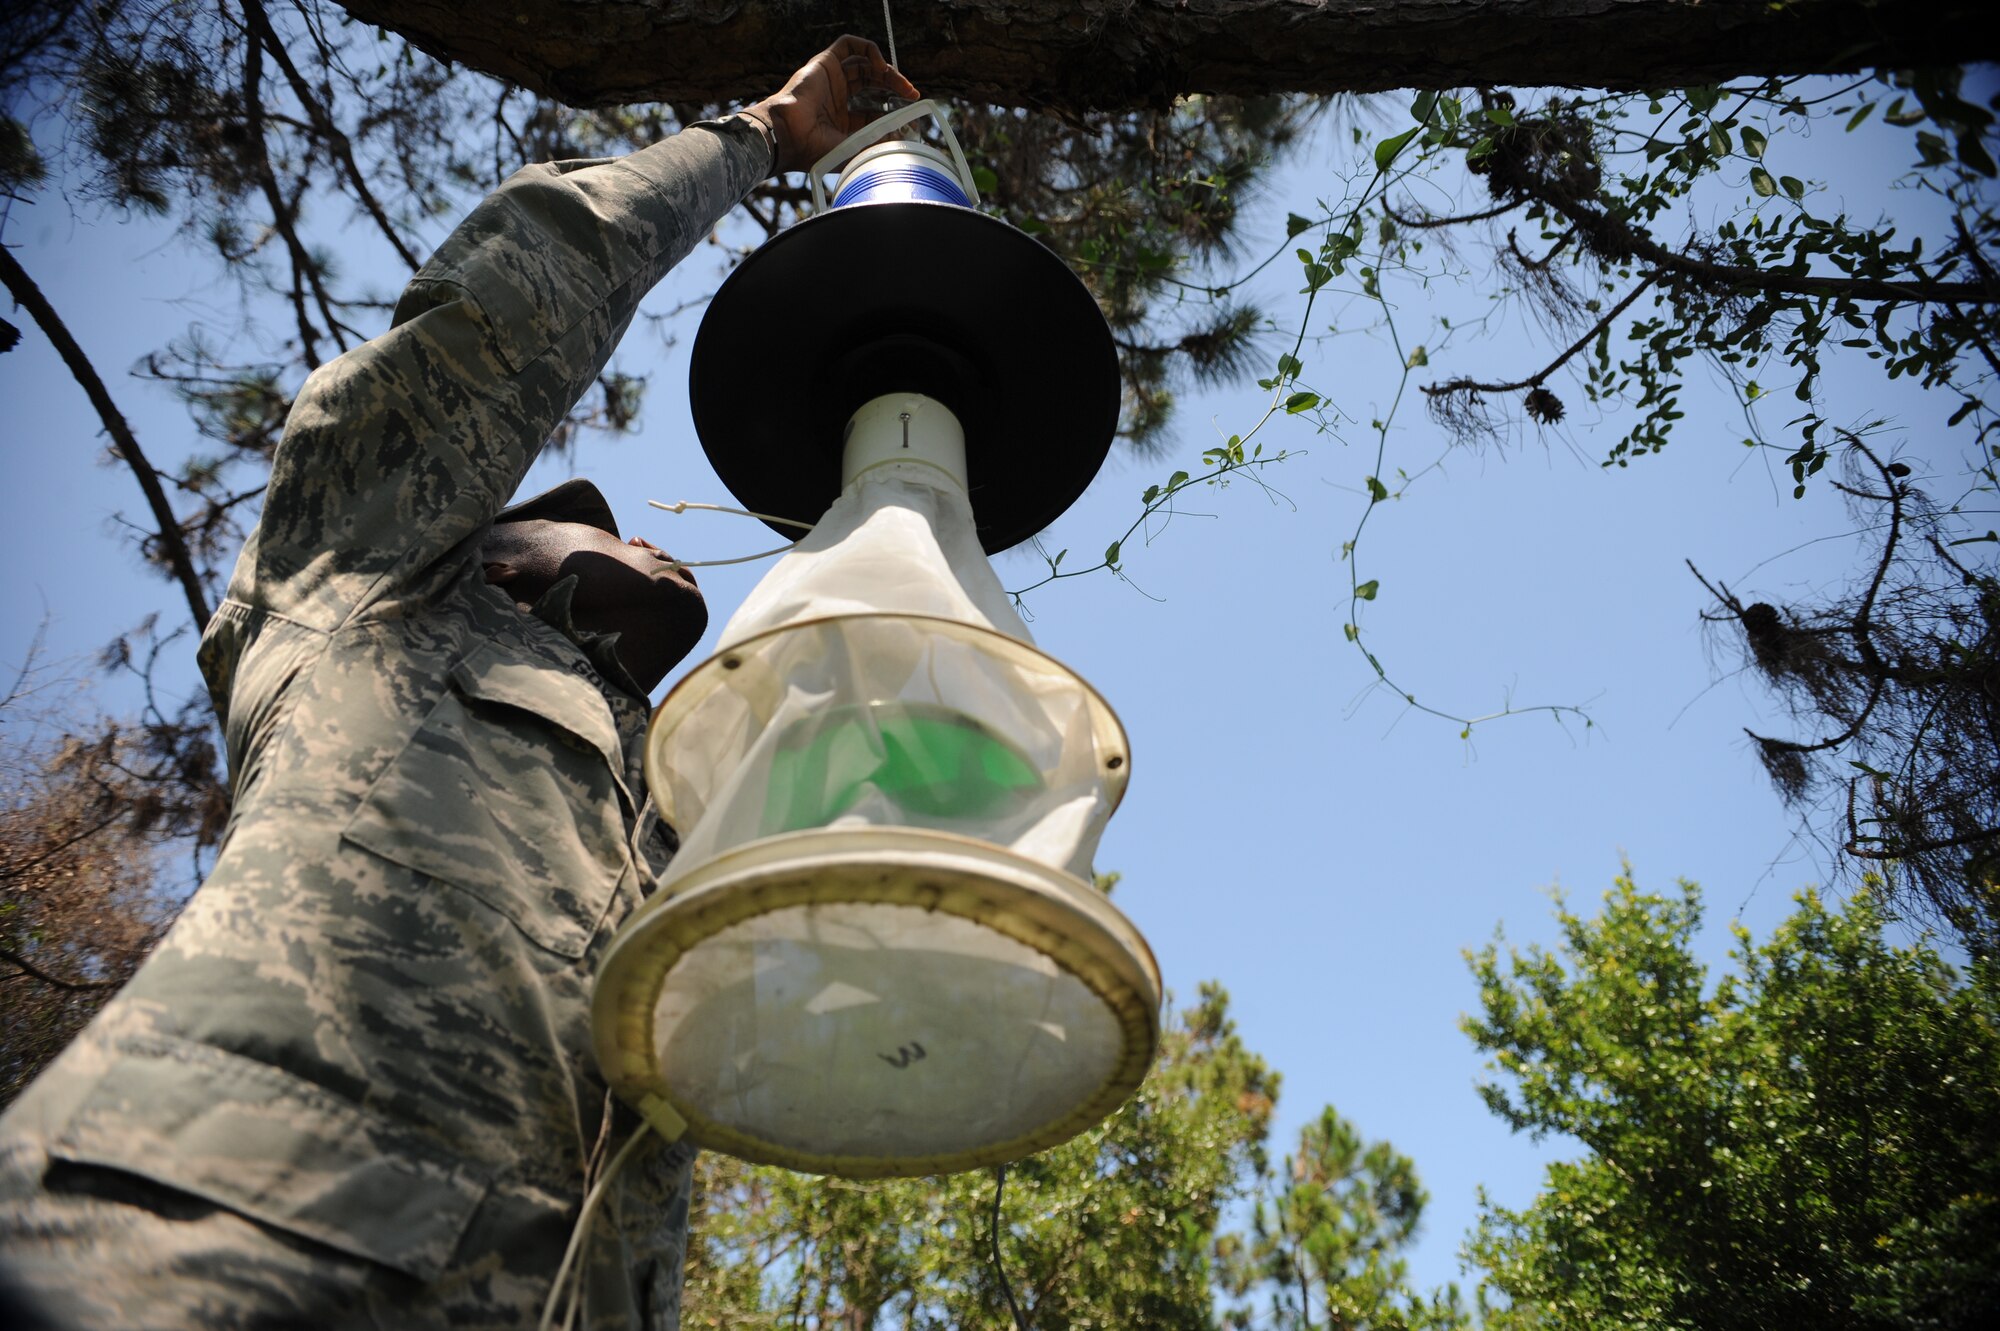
890,23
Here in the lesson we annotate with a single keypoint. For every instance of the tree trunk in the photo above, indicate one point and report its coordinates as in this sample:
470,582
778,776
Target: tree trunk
1111,55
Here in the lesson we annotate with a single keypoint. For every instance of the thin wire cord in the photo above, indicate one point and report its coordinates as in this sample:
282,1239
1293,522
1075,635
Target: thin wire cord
999,1271
683,505
890,23
577,1235
740,559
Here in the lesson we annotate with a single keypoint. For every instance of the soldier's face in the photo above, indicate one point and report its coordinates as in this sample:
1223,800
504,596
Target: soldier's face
627,587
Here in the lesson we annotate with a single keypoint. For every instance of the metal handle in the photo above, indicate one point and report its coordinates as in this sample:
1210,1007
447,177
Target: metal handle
874,130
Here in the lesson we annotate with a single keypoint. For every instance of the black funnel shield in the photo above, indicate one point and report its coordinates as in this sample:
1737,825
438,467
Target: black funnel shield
895,298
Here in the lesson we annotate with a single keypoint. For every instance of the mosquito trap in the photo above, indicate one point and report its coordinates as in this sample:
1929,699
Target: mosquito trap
879,951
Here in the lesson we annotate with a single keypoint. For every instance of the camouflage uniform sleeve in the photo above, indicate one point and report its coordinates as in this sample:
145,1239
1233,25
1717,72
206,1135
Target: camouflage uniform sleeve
401,450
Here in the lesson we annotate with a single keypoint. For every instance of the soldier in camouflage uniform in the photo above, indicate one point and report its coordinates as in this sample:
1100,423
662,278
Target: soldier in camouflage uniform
354,1085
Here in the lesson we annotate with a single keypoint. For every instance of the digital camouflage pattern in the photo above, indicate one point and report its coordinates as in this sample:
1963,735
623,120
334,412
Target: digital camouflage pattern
354,1086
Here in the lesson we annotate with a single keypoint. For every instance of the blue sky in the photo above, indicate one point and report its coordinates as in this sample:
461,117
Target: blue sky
1290,831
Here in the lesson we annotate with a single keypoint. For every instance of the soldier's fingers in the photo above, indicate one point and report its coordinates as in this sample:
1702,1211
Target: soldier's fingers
893,79
850,48
851,45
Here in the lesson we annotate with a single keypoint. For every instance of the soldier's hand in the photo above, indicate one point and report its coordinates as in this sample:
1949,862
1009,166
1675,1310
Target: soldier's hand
811,114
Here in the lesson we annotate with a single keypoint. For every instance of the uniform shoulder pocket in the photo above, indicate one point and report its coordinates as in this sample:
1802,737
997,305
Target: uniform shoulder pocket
277,1149
510,791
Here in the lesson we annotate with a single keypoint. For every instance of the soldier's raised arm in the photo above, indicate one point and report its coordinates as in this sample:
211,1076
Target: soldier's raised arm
404,448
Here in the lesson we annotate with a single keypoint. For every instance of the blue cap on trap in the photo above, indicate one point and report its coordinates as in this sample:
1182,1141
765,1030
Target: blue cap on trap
902,181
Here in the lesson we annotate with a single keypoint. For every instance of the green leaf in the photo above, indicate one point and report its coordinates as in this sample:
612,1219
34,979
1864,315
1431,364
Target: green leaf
1754,142
1795,188
1366,591
984,180
1290,365
1351,631
1111,553
1386,150
1294,225
1301,401
1760,181
1500,114
1418,358
1377,491
1420,110
1896,115
1704,98
1975,156
1057,561
1854,121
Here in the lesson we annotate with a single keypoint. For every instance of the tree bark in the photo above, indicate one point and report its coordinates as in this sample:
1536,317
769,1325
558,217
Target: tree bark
1115,55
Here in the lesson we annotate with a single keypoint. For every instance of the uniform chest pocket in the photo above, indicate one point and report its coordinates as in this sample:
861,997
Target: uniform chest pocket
509,791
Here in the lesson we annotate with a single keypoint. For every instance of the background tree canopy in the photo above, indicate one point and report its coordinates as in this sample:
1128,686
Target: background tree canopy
1624,242
1811,1141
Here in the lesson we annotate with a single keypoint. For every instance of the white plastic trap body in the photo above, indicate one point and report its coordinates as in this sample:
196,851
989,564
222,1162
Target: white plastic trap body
879,950
903,427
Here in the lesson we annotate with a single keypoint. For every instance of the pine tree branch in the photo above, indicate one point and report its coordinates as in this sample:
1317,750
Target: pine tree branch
1615,238
47,853
1861,628
30,968
261,31
30,298
1905,850
1117,55
284,213
1536,379
1978,261
1434,223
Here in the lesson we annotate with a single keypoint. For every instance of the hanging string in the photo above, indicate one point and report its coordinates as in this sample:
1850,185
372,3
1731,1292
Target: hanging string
999,1271
578,1236
889,23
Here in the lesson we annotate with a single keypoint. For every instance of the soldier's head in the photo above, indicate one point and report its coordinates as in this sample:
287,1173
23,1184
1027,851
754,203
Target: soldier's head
628,587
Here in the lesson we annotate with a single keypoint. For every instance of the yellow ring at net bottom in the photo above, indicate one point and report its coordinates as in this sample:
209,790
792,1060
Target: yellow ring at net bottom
878,1002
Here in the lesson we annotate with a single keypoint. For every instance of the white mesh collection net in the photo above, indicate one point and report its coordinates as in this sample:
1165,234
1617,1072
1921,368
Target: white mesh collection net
878,950
880,677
